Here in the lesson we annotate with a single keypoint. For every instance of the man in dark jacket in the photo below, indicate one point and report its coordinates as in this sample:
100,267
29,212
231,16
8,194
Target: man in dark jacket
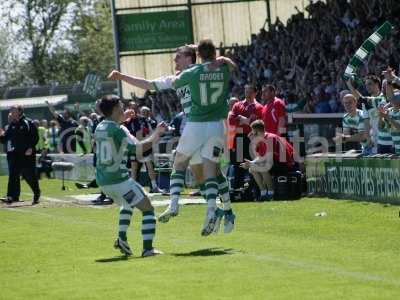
67,129
20,138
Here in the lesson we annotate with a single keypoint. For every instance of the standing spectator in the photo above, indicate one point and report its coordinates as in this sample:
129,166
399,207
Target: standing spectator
42,132
354,134
21,137
53,136
391,117
7,147
95,120
381,137
83,137
243,113
67,129
274,113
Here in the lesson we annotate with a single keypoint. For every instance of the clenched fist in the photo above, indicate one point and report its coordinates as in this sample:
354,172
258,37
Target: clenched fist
115,75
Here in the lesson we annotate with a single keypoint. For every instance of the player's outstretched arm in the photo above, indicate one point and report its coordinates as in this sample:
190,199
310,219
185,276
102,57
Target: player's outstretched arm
51,109
132,80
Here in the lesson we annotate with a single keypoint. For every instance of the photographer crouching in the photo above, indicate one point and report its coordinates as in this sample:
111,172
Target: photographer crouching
20,137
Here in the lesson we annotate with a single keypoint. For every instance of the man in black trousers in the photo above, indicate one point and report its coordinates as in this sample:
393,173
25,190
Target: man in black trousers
20,138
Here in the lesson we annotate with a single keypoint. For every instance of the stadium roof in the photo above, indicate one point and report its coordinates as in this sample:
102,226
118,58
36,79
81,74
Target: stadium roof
32,102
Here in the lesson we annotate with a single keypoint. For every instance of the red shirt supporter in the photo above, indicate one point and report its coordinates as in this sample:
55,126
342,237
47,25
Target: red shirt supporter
282,150
273,113
250,110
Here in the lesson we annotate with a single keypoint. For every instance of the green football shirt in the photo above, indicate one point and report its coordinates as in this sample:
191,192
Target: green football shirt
356,123
112,148
382,135
395,133
183,92
208,90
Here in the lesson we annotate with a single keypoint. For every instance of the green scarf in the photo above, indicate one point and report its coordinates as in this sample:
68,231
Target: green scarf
366,48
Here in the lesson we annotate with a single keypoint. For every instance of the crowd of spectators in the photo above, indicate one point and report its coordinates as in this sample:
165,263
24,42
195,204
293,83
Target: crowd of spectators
306,58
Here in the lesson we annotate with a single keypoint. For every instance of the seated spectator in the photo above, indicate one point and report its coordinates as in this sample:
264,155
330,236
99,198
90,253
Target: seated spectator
354,135
273,156
44,164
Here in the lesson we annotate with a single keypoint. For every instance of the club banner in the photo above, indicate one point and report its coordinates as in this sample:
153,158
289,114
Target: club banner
92,84
373,179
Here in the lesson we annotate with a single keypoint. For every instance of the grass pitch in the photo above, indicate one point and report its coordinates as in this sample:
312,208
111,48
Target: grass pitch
279,250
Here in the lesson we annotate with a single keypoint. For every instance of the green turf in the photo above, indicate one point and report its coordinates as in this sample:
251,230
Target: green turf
279,250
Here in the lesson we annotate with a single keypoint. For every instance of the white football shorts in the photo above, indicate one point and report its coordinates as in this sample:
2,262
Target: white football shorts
205,137
128,192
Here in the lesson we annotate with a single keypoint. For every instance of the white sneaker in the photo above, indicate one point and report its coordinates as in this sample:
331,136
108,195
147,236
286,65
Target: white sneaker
123,247
171,211
151,252
209,224
229,222
219,213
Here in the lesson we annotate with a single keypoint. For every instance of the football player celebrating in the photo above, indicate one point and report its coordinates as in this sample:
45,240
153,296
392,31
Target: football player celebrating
184,59
113,145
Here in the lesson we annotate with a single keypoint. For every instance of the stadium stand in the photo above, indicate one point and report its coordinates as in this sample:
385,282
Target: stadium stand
306,57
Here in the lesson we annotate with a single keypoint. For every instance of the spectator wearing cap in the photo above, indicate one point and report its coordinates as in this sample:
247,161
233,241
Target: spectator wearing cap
274,112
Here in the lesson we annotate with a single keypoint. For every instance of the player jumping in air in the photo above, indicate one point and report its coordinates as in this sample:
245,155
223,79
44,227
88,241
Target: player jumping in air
113,143
185,59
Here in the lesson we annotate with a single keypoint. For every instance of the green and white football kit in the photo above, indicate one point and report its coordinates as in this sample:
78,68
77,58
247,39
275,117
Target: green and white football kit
204,94
113,144
395,133
379,136
355,124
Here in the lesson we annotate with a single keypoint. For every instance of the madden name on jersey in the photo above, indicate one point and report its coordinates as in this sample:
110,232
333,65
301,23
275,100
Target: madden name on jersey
212,76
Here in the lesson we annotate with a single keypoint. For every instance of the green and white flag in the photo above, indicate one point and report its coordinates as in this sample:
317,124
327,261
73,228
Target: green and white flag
366,48
92,84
